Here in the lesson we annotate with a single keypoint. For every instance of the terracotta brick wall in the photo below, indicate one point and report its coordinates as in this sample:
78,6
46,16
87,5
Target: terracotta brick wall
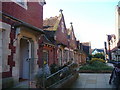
62,37
32,15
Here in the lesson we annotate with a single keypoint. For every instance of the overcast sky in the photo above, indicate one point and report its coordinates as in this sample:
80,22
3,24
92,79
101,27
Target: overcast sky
92,19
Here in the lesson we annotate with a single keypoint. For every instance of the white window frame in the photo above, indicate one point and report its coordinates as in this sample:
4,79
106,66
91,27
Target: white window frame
20,4
42,2
47,52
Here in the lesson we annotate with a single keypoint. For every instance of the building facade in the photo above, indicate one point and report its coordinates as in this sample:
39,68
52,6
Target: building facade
27,43
56,32
20,33
114,40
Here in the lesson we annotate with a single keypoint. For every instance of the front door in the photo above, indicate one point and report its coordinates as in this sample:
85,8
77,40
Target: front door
25,57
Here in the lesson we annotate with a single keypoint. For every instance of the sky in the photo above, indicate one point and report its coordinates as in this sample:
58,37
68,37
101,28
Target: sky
92,20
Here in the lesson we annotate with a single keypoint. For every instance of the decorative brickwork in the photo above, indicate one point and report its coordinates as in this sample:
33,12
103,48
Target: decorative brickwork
11,46
33,15
10,57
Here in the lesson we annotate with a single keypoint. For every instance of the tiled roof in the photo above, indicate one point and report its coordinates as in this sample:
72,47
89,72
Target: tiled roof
99,50
51,23
50,35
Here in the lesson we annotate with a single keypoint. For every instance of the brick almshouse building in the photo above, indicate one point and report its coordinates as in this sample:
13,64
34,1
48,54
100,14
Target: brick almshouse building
26,41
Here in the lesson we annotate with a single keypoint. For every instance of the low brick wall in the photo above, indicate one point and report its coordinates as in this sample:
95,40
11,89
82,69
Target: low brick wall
7,82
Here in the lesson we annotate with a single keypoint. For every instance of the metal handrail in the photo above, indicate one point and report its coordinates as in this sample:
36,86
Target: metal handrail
59,76
58,71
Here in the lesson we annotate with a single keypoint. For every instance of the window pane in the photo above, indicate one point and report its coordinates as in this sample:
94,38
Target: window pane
45,56
22,2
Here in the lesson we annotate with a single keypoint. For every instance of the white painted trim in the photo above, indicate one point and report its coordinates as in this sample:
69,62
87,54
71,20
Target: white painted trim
23,6
70,49
30,49
66,48
41,2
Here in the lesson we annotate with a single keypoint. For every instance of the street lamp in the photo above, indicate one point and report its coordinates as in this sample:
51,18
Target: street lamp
109,39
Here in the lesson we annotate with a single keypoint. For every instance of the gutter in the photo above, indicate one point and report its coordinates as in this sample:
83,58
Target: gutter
23,23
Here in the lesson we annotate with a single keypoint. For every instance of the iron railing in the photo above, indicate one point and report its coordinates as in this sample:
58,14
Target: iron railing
59,76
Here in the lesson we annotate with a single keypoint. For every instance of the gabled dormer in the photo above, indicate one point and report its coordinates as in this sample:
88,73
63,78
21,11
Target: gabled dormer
71,37
57,24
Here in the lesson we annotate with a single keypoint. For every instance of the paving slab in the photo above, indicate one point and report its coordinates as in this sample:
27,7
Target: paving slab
92,80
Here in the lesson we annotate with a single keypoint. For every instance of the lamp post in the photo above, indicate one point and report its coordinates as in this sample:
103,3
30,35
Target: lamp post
105,50
109,51
109,37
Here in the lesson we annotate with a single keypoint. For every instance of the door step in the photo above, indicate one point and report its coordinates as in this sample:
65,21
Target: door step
23,84
26,84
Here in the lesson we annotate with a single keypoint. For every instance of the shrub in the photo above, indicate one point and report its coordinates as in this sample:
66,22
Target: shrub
74,65
99,55
54,68
97,59
96,66
39,80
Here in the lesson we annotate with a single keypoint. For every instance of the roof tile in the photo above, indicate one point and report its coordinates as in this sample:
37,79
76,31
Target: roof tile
51,23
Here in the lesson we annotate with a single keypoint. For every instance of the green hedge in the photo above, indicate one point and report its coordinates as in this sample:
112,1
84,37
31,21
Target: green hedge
96,66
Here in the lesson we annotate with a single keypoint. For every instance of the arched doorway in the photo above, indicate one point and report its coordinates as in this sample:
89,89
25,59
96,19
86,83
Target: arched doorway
26,61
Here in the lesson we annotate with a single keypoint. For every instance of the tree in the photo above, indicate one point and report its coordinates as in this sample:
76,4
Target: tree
99,55
90,56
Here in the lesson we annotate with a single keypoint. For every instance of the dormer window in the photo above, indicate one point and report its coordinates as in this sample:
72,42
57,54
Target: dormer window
22,3
55,37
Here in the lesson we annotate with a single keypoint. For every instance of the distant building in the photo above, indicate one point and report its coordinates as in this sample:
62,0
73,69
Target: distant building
86,47
95,51
56,32
117,52
114,40
117,32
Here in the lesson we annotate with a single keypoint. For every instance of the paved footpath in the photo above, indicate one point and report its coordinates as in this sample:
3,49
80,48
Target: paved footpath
91,80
